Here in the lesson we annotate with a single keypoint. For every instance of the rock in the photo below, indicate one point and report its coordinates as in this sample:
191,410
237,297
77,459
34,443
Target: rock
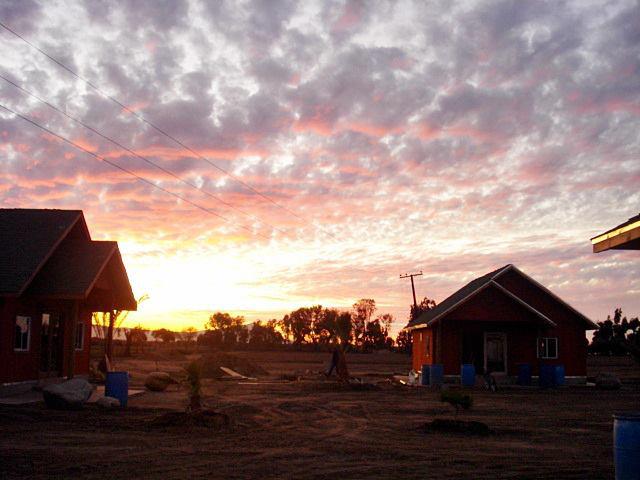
69,395
158,381
108,402
608,381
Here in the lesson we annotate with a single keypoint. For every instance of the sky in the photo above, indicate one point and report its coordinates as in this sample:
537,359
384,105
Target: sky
363,140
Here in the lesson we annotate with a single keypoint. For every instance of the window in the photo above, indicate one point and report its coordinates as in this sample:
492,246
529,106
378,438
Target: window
427,344
79,336
548,347
22,334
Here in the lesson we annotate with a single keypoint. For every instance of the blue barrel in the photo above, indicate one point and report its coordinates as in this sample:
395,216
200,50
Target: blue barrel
116,385
524,374
468,375
547,377
558,375
626,445
425,375
436,374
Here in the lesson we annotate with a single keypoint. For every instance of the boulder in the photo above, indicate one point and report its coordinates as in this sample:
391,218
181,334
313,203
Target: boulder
607,381
158,381
108,402
69,395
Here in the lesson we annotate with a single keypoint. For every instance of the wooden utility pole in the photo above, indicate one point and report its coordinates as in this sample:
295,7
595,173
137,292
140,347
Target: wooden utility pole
413,288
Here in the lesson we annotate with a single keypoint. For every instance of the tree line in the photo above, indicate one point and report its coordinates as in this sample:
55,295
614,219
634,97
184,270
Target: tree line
617,336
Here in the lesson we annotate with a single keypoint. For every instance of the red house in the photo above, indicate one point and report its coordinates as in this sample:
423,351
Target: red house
498,321
52,277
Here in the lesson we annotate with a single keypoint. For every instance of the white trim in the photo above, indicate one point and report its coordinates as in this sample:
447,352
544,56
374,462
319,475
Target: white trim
504,351
590,322
30,326
522,302
542,357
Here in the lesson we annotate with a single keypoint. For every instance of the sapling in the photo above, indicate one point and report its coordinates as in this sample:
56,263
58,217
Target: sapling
195,387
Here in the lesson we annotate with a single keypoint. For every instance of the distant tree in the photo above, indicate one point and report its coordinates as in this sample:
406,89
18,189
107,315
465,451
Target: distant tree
344,328
404,342
188,334
265,335
297,325
363,310
619,336
165,335
375,336
325,326
425,305
232,331
134,337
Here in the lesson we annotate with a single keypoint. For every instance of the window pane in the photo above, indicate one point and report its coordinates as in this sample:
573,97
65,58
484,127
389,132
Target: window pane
22,328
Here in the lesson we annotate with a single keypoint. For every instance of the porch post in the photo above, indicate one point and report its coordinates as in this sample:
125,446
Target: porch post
71,340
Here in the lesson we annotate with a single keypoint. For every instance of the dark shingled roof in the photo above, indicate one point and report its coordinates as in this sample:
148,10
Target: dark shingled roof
27,238
456,297
72,269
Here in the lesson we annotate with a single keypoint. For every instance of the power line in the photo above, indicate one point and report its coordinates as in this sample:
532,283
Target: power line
161,131
163,169
129,172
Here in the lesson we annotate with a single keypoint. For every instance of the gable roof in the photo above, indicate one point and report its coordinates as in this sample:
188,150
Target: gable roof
72,269
49,253
27,238
479,284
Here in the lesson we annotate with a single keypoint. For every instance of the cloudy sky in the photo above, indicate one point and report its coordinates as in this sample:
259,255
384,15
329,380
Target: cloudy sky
369,138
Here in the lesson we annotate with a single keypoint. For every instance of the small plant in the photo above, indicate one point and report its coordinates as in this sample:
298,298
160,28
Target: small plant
195,386
457,400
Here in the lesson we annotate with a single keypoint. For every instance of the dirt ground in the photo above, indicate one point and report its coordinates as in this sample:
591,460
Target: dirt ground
315,428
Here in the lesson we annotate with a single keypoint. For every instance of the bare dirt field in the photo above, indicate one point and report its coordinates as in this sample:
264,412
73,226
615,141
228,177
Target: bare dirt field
315,428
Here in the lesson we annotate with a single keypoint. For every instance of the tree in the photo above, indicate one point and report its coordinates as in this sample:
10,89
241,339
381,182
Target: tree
107,322
425,305
297,325
404,342
163,334
344,328
265,335
363,310
135,336
188,334
231,330
619,336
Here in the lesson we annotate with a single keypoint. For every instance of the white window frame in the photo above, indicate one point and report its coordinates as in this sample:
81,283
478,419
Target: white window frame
545,355
79,328
29,325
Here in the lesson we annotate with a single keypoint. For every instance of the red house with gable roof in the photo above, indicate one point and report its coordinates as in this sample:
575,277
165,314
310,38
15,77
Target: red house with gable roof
498,321
52,277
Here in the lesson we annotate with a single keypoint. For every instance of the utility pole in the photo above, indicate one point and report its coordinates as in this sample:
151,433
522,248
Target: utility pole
413,288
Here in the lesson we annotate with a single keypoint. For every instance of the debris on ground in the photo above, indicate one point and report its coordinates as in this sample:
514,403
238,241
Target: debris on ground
447,425
69,395
159,381
233,375
199,419
108,402
210,365
607,381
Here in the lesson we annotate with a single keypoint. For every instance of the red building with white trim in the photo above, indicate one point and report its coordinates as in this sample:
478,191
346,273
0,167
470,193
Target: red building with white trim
498,321
52,277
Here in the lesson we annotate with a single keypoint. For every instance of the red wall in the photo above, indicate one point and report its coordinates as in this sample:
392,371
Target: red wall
22,366
422,349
